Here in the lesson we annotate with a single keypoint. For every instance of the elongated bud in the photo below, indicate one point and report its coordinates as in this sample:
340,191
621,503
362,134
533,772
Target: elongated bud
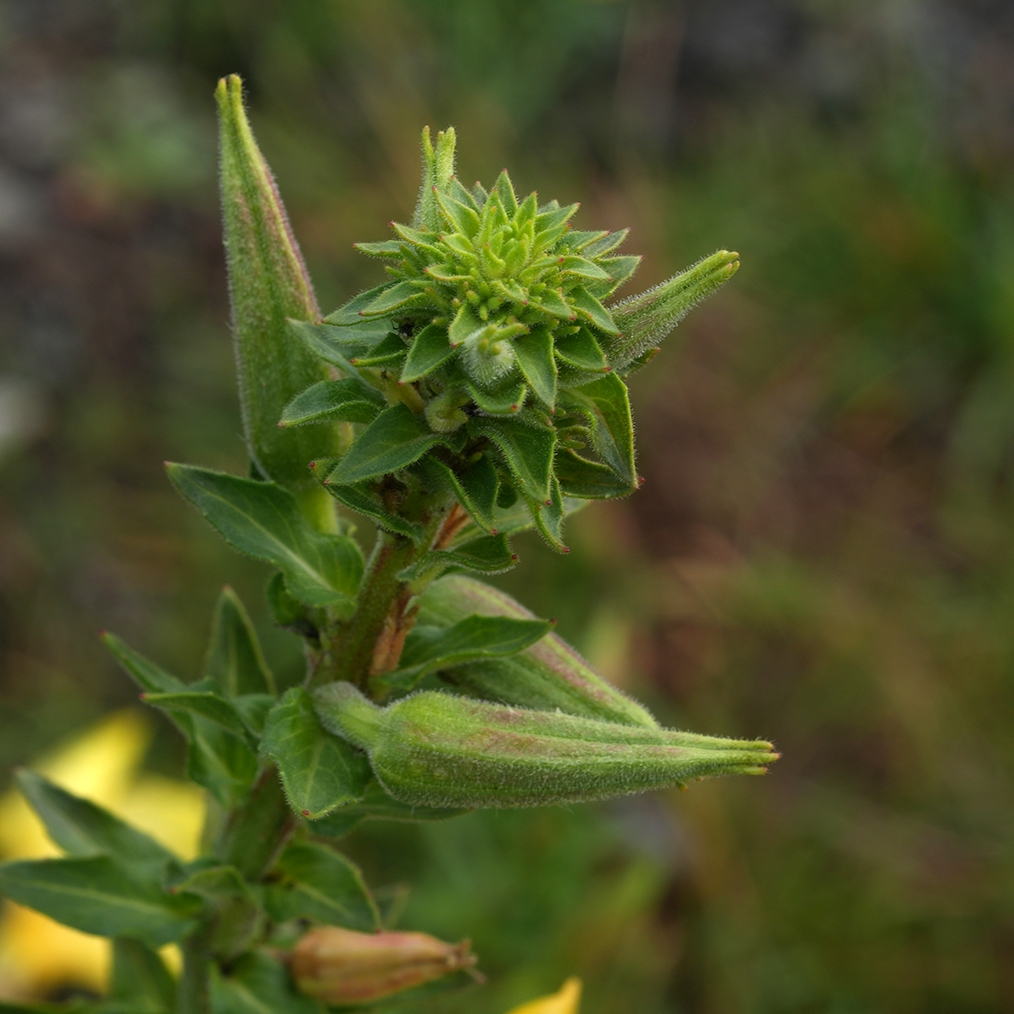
438,168
436,749
339,966
646,319
268,282
548,675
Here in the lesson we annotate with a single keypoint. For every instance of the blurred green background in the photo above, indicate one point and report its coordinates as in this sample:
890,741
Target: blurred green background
822,553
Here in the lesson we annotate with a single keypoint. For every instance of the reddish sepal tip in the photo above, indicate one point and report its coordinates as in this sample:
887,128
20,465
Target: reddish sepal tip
608,369
306,813
549,503
313,464
493,531
514,408
565,549
514,556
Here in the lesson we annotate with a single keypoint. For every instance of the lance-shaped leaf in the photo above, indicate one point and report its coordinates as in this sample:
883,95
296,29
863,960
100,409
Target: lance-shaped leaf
476,488
318,772
644,320
222,762
394,440
320,884
258,984
235,660
348,315
100,895
390,351
342,400
430,649
550,675
490,554
590,480
263,521
549,517
200,703
607,405
268,283
376,804
581,351
535,358
82,828
506,401
430,349
236,915
527,450
438,749
363,499
314,338
591,309
139,977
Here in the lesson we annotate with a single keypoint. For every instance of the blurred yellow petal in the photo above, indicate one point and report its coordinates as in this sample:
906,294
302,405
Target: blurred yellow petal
98,765
566,1001
37,954
171,811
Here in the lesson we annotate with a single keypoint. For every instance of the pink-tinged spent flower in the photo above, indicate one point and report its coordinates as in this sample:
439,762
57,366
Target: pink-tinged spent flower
341,966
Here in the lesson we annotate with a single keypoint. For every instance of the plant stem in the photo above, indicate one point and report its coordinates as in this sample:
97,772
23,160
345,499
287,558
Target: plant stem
352,654
193,991
256,832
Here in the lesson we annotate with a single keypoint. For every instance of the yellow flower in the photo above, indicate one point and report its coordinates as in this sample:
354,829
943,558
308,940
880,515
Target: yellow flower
37,954
566,1001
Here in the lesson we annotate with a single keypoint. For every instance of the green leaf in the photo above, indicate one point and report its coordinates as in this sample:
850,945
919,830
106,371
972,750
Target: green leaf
398,296
385,248
608,404
376,804
345,400
550,675
235,660
319,772
475,488
534,352
394,440
430,349
591,309
220,761
314,339
367,334
465,322
320,884
362,499
268,283
621,270
390,350
253,710
140,975
582,268
348,314
590,480
430,649
606,243
506,401
490,554
202,703
528,451
145,674
99,895
263,521
549,517
581,351
237,916
82,828
258,984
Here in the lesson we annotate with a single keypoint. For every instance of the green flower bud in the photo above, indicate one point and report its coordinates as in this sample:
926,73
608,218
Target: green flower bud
549,675
339,966
646,319
436,749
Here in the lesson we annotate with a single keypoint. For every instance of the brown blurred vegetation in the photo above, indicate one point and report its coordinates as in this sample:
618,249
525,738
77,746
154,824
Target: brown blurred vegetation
822,551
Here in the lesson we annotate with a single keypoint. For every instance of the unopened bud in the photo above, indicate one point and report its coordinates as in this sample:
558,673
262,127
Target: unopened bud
437,749
646,319
340,966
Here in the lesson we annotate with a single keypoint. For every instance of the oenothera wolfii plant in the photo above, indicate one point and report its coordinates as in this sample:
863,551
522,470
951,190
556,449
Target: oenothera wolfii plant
476,392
